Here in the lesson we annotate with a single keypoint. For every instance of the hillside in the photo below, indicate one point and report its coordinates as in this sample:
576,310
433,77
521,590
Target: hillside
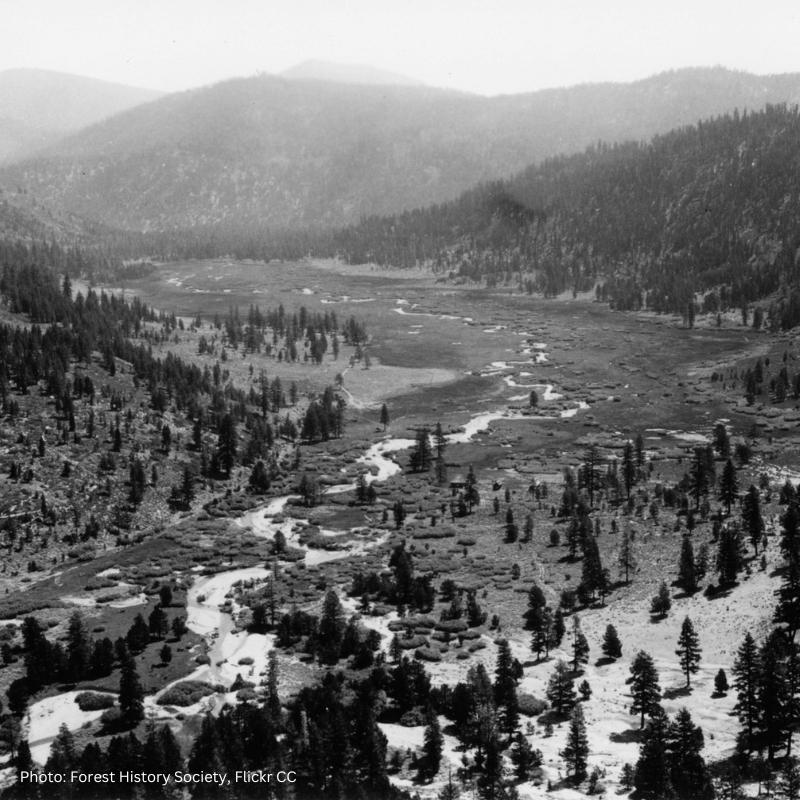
39,107
709,208
270,152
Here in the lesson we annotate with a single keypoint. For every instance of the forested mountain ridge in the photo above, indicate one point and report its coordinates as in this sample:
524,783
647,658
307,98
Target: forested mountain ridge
707,207
270,152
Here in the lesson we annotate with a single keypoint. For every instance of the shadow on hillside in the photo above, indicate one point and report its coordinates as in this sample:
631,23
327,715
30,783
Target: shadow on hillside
604,661
631,736
681,691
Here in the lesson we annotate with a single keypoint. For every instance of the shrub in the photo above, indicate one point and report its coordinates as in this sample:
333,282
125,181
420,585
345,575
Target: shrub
246,661
92,701
202,659
412,718
186,693
111,718
529,705
428,654
244,695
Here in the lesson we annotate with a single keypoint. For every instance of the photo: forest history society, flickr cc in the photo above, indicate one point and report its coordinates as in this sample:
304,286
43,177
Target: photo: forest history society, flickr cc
160,778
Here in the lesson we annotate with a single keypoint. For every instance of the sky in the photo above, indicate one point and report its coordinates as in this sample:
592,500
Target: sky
483,46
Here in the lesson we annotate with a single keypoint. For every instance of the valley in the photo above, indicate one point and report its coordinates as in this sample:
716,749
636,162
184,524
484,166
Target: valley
247,564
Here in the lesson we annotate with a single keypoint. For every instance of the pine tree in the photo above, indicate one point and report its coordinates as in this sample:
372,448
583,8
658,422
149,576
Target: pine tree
524,759
590,472
662,602
789,782
561,688
628,468
131,694
721,683
576,751
639,444
505,688
433,744
421,456
227,444
728,486
491,785
645,690
730,555
612,647
471,496
331,628
687,571
688,651
580,646
652,775
688,772
746,672
699,478
752,519
384,416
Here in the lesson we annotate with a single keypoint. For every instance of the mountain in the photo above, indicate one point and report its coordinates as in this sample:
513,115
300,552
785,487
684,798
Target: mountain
272,152
315,70
38,107
706,214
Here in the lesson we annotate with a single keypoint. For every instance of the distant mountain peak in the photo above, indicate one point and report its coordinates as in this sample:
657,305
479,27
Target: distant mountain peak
318,70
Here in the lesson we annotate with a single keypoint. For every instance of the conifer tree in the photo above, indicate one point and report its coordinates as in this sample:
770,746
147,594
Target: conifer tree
471,495
331,628
730,555
590,473
688,651
689,775
746,673
639,444
384,416
789,781
751,517
491,785
721,683
699,478
645,690
652,773
576,751
524,759
433,744
561,688
628,468
612,647
687,571
227,444
131,694
580,646
728,486
662,602
505,689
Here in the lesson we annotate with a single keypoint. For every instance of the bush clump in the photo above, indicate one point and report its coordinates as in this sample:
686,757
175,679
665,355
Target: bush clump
186,693
529,705
92,701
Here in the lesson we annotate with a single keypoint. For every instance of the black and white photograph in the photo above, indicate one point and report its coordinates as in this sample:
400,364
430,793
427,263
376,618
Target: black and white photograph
399,400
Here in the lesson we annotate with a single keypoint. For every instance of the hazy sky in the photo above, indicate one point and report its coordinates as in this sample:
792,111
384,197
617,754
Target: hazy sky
486,46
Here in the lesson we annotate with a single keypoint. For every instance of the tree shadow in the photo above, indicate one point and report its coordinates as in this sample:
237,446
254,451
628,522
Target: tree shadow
631,736
682,691
604,661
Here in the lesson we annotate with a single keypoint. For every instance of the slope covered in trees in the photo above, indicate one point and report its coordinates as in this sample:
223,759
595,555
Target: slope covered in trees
271,152
709,208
